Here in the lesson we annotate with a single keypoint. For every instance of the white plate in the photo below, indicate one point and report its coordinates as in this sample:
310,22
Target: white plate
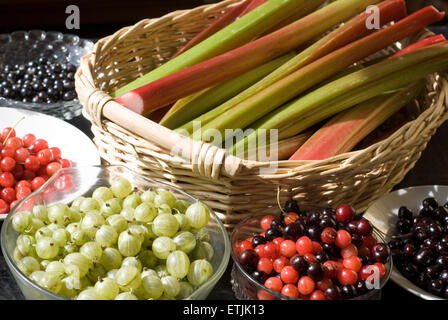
74,144
383,215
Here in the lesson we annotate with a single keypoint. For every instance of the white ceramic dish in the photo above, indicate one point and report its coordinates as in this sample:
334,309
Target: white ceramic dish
74,144
383,215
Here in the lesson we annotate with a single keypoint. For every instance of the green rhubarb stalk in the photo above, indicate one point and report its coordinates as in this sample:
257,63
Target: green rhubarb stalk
382,78
234,35
230,64
342,133
353,30
296,83
193,106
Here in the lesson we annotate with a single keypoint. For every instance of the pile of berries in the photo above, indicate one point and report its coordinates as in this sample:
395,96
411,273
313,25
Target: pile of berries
25,165
323,255
44,81
421,254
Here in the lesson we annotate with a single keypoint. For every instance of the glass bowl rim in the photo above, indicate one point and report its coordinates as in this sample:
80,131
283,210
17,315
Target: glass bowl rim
279,295
13,265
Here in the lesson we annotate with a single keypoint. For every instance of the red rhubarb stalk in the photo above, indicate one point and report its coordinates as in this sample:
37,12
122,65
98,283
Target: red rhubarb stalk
423,43
182,83
219,24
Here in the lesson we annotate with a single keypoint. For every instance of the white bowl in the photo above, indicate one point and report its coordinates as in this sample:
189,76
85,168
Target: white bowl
383,214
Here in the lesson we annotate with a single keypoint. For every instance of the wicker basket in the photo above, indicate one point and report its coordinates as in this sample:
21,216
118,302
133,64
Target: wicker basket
235,188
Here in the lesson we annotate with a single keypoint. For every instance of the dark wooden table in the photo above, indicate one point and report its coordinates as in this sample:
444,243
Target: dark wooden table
432,168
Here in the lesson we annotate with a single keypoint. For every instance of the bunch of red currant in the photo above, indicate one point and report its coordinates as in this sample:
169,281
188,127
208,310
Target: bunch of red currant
25,165
323,255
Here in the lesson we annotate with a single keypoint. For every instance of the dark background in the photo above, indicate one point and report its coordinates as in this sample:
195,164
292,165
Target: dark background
100,18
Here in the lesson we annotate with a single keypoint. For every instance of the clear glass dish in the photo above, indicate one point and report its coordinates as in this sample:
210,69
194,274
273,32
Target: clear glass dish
247,288
21,46
84,181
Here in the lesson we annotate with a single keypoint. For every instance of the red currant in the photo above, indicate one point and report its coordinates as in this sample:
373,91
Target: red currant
345,213
382,269
4,207
6,179
259,250
28,140
274,283
23,183
280,263
28,175
290,217
270,250
265,265
14,143
13,204
23,192
55,152
21,154
8,194
245,245
7,164
278,241
353,263
324,283
347,276
18,171
290,290
318,295
317,247
37,183
288,248
32,163
264,295
45,156
40,144
266,222
349,251
304,245
52,167
306,285
7,152
289,275
328,235
343,238
65,163
8,132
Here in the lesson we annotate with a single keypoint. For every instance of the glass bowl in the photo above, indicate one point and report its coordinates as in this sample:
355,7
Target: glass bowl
247,288
84,180
21,46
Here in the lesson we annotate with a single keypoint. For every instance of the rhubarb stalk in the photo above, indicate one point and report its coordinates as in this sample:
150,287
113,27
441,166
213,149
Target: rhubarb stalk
230,64
242,115
342,133
193,106
234,35
384,77
350,31
251,6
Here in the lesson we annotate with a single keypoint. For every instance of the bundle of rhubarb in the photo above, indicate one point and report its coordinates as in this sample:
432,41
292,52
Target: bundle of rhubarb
291,77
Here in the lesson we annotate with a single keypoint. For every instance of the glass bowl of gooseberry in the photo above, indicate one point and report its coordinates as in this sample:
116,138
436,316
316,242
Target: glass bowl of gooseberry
67,186
291,274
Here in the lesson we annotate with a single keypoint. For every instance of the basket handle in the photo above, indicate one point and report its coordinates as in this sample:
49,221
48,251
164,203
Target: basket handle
206,159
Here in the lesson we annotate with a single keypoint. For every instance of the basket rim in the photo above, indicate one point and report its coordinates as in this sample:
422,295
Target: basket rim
290,166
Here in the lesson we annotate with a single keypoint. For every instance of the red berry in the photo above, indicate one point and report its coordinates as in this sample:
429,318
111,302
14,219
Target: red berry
7,152
331,269
245,245
304,245
52,167
64,182
369,241
328,235
318,295
23,192
264,295
40,144
364,251
8,132
370,270
65,163
382,269
265,265
6,179
317,247
18,171
343,238
45,156
32,163
8,194
345,213
288,248
310,257
28,140
289,275
364,227
4,207
324,283
349,251
23,183
13,204
306,285
28,175
21,154
270,250
259,250
280,263
278,241
266,222
290,217
7,164
55,152
274,283
290,290
14,143
353,263
37,183
347,276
